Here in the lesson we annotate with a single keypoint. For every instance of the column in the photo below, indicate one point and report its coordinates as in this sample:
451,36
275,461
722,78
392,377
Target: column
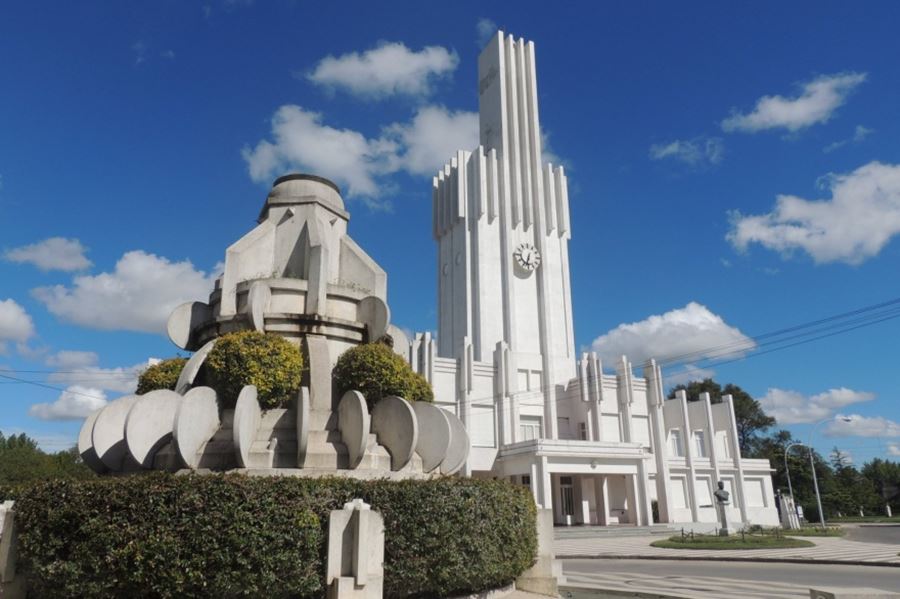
644,488
543,470
736,456
681,398
601,496
625,393
655,399
586,486
632,498
711,438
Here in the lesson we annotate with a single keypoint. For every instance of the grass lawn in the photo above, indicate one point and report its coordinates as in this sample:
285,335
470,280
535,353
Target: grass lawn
731,542
812,531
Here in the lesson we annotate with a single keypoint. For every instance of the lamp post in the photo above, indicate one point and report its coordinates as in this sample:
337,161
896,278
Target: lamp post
812,464
787,471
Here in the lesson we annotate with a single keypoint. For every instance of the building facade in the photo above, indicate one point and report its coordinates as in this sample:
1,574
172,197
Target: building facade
597,447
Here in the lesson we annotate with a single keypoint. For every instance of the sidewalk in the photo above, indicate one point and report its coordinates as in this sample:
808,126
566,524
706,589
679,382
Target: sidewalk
826,550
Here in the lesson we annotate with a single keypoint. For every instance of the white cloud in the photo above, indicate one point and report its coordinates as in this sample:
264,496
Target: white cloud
793,407
862,426
386,70
138,295
859,219
816,103
118,380
54,253
301,141
893,449
15,324
690,330
699,151
67,359
74,403
486,29
859,134
433,136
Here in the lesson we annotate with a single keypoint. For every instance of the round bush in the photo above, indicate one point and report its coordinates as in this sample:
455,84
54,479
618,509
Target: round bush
161,535
376,371
266,360
163,375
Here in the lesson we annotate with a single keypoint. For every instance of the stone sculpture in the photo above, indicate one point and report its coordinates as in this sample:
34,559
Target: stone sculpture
722,496
297,274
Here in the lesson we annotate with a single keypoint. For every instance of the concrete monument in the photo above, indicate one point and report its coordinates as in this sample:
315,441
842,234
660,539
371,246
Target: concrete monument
297,274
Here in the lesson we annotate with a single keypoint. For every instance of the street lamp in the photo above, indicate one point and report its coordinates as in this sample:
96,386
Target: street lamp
787,470
812,464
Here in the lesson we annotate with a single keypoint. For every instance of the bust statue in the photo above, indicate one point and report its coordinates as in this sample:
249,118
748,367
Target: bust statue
721,494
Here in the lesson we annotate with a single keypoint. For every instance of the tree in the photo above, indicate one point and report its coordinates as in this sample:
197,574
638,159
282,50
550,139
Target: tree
22,461
749,416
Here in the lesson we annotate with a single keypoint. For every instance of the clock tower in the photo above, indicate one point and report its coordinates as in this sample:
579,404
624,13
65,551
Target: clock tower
501,220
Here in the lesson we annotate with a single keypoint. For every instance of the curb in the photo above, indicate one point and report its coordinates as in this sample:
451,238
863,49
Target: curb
768,560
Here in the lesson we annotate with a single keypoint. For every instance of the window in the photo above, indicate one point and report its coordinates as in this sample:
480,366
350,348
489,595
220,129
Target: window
582,431
675,446
526,480
700,443
529,428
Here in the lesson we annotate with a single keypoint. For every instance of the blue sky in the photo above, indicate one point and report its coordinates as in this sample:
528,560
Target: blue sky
139,140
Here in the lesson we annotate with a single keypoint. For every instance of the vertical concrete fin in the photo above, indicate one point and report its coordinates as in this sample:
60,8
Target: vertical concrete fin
550,198
434,209
513,158
494,190
482,180
529,207
534,127
562,202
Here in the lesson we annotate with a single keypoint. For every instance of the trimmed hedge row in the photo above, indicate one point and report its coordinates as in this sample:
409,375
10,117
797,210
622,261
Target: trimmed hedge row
159,535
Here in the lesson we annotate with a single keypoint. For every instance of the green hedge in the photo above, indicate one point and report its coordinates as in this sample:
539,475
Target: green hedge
163,375
159,535
266,360
377,371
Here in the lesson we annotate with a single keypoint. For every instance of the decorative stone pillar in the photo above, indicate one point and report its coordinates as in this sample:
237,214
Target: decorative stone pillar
355,568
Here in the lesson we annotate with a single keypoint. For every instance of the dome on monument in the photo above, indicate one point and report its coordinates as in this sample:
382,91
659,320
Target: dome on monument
297,187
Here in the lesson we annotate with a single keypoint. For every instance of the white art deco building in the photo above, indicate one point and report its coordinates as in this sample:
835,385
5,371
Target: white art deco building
597,447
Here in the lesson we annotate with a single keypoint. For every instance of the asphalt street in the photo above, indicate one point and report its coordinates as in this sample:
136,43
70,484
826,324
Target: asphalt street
873,533
713,579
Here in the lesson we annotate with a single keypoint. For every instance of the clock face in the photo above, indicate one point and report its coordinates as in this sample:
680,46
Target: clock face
527,256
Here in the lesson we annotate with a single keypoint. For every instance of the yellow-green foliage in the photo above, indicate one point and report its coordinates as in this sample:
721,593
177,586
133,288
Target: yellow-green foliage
376,371
163,375
266,360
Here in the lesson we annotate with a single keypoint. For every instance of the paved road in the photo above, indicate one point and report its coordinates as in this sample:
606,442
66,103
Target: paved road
723,579
874,533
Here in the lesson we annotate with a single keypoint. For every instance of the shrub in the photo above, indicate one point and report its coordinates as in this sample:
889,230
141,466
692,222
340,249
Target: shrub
161,535
376,371
266,360
162,375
